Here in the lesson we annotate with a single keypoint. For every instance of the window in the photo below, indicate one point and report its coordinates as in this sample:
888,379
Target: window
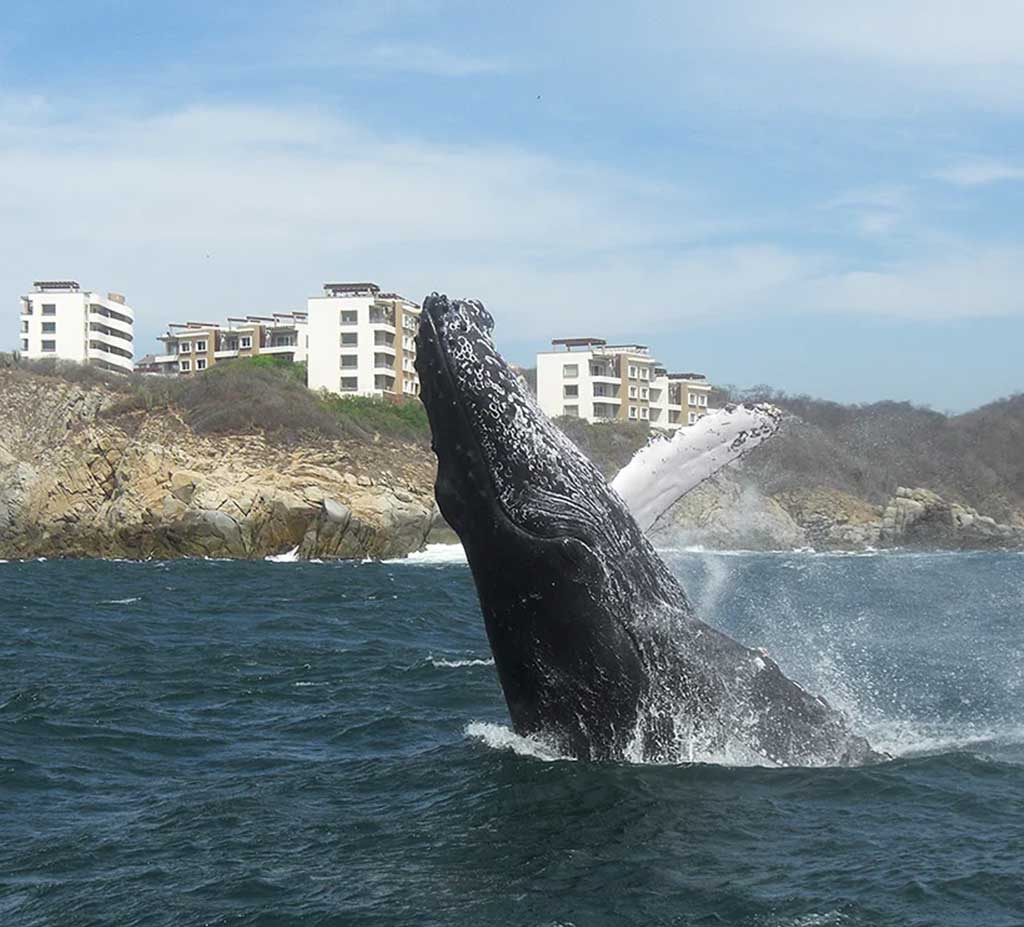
645,412
702,400
49,309
201,363
645,373
349,316
572,411
632,392
632,411
349,360
571,391
49,328
24,344
692,418
229,344
645,392
691,399
24,326
632,371
245,342
49,345
349,384
185,366
184,347
201,347
570,370
349,339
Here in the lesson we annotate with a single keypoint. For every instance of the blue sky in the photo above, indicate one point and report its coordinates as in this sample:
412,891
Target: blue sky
822,197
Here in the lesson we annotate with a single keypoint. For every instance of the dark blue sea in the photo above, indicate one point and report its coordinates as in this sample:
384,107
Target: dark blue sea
224,743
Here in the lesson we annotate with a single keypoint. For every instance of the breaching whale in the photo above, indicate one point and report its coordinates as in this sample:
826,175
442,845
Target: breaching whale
596,646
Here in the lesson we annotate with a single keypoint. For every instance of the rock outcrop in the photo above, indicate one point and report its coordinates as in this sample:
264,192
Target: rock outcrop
725,514
75,481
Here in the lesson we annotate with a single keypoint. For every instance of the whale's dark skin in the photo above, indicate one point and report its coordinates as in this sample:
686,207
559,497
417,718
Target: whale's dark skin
596,646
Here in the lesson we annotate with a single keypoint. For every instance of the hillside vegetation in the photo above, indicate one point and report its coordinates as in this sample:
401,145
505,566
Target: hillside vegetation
866,451
976,458
260,395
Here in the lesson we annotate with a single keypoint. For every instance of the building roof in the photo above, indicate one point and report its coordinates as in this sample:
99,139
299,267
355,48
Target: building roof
44,285
687,376
578,342
351,289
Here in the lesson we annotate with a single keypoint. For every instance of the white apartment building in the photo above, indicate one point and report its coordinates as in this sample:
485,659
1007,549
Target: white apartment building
192,347
591,379
362,341
61,320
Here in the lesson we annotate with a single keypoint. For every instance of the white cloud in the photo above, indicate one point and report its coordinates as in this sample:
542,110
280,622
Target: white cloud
901,32
869,59
981,282
981,173
215,210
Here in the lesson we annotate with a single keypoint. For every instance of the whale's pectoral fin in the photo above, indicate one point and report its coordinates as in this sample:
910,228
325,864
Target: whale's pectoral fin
668,468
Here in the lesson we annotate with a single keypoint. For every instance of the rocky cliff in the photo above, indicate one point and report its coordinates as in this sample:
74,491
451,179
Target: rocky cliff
726,513
77,480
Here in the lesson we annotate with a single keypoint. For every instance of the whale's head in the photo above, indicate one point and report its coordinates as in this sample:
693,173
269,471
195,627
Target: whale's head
557,558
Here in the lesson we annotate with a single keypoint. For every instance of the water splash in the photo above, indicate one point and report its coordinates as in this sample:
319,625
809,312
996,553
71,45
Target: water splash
434,554
500,737
289,556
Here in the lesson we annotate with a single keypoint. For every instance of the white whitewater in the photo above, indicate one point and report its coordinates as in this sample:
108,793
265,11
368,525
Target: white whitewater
668,468
289,556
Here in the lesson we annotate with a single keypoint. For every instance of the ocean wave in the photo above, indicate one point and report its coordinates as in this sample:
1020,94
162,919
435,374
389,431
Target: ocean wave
434,554
440,662
289,556
128,601
908,739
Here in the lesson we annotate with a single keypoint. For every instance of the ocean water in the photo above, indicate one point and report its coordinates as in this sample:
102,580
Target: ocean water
228,743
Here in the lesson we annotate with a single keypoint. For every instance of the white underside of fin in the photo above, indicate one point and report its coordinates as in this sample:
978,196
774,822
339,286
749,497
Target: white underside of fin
669,467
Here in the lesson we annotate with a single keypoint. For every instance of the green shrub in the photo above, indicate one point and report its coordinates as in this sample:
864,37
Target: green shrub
610,445
269,395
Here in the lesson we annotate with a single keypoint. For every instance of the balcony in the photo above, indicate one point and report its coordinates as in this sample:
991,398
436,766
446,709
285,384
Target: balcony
100,328
279,349
379,316
95,309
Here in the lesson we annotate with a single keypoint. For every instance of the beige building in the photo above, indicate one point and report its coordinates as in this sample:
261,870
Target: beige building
191,347
363,341
591,379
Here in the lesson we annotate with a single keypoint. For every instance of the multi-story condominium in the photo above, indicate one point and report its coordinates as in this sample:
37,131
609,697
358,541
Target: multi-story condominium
363,341
191,347
678,399
589,378
61,320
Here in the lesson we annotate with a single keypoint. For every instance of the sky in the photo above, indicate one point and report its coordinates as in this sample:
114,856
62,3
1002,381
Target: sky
825,198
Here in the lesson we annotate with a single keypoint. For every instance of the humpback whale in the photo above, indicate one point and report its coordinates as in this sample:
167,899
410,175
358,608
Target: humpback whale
596,646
